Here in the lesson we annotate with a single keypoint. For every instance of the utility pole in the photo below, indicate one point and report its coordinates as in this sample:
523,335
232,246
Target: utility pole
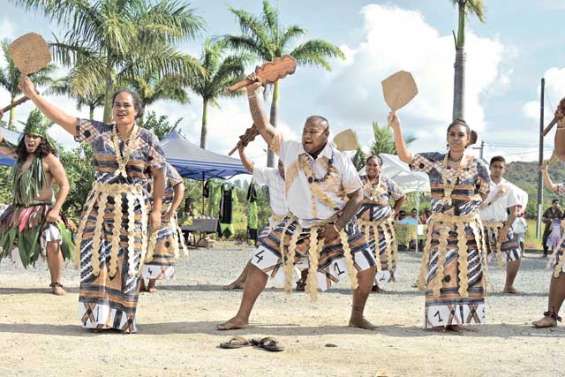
482,150
540,178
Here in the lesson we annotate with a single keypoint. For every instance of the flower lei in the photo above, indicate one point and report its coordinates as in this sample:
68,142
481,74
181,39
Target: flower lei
123,159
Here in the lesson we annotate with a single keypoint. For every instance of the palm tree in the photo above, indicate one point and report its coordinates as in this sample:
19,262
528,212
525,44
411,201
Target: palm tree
465,8
111,36
92,98
384,142
217,71
151,88
265,38
10,77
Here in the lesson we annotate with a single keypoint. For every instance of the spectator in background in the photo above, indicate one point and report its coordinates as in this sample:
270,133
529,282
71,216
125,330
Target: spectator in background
553,212
520,226
401,216
425,216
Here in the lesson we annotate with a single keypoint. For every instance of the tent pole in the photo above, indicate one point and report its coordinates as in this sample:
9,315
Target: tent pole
417,218
202,194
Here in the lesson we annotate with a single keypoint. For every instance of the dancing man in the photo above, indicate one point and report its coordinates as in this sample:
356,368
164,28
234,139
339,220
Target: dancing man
376,218
557,283
498,213
324,193
113,234
161,257
454,260
33,222
273,178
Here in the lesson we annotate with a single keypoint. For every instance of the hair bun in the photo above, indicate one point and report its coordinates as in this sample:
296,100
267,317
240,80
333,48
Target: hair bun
473,137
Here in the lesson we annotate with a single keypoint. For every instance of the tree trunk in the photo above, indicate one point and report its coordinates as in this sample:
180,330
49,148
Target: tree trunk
12,114
459,85
204,129
273,120
91,112
459,67
108,91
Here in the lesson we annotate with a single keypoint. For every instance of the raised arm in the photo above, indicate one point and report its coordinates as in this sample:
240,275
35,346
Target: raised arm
403,153
258,114
547,179
54,113
247,164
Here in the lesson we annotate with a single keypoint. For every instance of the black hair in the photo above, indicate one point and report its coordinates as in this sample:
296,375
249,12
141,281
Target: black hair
497,159
473,135
555,201
42,150
376,157
318,119
137,103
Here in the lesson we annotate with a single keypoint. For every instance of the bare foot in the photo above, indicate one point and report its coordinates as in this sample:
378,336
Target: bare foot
510,290
544,323
234,285
57,289
233,324
151,286
361,323
454,328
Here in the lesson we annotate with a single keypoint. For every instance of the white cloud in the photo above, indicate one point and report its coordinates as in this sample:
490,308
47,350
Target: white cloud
398,39
225,124
554,91
6,29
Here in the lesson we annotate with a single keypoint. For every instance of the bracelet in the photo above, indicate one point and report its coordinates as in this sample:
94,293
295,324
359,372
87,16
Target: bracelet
336,228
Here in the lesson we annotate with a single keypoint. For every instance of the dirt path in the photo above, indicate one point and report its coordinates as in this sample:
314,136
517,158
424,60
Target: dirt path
40,333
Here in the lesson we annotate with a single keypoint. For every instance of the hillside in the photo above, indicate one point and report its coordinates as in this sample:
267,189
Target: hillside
525,176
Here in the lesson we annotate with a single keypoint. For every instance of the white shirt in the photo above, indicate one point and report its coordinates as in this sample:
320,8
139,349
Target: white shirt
275,183
501,197
520,225
300,199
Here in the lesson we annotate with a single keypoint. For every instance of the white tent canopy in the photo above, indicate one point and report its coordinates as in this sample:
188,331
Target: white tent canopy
400,173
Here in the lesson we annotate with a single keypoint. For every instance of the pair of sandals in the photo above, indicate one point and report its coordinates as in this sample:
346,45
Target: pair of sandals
268,343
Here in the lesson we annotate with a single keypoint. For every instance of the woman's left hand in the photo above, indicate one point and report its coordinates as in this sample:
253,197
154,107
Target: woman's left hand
329,233
155,220
53,216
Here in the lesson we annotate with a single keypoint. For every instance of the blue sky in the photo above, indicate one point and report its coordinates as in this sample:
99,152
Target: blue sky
507,55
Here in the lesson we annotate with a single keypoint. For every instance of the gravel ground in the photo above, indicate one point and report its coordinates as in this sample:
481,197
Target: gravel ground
41,336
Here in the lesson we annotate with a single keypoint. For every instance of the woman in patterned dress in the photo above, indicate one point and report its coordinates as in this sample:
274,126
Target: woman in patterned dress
113,232
557,285
376,218
161,257
453,270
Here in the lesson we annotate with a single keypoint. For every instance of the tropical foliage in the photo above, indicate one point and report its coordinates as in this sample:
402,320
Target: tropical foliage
264,37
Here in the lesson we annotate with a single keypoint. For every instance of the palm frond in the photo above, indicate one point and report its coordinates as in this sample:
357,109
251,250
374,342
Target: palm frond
316,52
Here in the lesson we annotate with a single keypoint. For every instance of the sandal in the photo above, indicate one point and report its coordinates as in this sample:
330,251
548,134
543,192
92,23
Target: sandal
57,288
235,342
268,344
549,320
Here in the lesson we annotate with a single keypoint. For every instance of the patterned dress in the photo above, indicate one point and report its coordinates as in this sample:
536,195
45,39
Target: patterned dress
376,218
453,270
160,262
112,236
